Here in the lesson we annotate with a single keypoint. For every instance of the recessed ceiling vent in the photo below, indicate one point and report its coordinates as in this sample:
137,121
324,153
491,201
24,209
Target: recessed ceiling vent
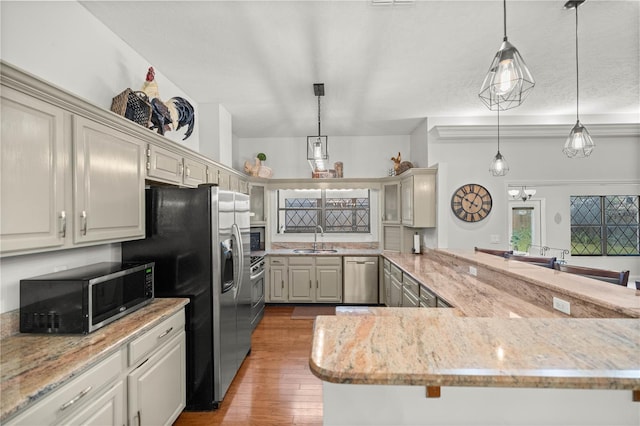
392,2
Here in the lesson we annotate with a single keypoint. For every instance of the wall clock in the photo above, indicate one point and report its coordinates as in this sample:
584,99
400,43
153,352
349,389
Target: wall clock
471,202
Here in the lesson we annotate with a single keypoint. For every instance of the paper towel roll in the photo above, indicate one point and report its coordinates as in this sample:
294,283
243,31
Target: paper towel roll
416,243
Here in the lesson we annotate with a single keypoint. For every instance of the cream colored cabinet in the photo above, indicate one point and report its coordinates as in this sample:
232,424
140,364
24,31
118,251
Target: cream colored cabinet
238,184
385,291
329,286
391,204
419,198
410,291
90,398
108,184
34,159
301,279
224,179
278,279
395,291
258,205
164,165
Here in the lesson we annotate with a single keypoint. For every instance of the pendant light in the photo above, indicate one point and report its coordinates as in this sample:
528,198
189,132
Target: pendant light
579,143
499,166
508,81
317,153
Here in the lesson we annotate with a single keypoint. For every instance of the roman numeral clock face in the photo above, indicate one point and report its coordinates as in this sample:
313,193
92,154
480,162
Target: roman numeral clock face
471,202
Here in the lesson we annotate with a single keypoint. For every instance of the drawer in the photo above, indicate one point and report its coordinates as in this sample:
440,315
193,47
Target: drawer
278,261
301,260
411,285
328,261
386,265
427,298
66,400
155,337
396,272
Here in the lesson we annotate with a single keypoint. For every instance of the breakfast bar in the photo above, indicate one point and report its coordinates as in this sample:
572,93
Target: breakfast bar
444,366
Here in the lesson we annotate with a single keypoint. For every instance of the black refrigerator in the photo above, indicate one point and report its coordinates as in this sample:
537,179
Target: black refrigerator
199,240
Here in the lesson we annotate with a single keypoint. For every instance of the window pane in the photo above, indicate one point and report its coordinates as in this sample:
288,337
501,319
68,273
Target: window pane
585,211
522,226
622,240
586,240
621,210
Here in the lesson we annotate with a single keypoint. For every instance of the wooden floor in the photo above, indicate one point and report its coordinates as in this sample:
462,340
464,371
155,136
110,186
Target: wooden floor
274,385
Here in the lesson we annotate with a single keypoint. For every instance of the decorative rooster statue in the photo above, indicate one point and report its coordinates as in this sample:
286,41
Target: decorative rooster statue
174,113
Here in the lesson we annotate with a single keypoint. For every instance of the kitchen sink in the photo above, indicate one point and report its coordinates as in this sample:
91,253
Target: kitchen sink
312,251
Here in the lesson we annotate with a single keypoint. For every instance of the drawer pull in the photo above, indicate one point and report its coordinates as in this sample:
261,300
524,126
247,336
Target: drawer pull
165,333
76,399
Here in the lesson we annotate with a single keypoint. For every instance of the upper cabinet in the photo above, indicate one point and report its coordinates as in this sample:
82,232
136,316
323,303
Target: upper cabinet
419,198
34,185
258,205
391,202
168,166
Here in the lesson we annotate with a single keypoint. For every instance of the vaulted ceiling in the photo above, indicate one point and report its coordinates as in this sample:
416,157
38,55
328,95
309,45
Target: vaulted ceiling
385,68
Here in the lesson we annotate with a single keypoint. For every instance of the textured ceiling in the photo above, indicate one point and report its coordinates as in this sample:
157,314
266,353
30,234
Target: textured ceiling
384,68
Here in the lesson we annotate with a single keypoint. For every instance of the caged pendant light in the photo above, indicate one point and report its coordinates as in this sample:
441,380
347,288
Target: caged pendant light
508,81
499,166
579,143
317,152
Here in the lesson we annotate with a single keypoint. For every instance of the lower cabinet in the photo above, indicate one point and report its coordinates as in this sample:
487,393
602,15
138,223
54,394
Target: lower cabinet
410,290
154,382
305,279
395,288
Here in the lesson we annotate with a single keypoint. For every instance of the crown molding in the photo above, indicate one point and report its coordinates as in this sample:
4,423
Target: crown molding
538,131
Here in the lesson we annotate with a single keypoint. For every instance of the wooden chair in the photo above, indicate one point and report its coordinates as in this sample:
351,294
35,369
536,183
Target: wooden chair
500,253
547,262
614,277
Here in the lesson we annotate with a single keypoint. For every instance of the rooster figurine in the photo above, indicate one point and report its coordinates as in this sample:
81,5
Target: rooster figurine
173,114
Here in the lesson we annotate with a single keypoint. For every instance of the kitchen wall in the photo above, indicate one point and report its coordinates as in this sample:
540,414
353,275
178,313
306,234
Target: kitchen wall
363,156
534,154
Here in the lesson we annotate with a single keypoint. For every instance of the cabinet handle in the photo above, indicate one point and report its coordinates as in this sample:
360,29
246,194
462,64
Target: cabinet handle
148,165
165,333
181,172
63,224
83,216
74,400
283,284
188,173
139,418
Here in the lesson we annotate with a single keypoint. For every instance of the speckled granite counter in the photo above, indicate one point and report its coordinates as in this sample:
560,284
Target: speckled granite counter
434,348
338,252
32,365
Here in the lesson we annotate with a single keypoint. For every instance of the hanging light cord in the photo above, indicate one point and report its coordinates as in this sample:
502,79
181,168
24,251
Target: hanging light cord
577,75
504,17
498,130
319,132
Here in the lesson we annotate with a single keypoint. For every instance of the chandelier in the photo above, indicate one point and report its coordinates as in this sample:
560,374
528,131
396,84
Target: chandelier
317,153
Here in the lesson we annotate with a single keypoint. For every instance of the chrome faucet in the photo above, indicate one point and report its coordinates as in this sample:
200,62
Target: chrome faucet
315,236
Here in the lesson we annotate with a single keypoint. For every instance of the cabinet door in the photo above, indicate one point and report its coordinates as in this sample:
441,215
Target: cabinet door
105,410
195,172
164,165
33,160
301,282
409,300
157,389
328,284
407,201
278,284
257,202
108,184
387,288
395,293
391,202
224,180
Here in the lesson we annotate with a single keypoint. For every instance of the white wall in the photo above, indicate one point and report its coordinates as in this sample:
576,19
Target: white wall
363,156
536,161
419,145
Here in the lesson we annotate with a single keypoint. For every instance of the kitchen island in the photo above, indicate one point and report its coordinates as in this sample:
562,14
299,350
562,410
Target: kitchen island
427,366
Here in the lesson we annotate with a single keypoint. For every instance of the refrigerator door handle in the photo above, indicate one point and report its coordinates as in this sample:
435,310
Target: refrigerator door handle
239,250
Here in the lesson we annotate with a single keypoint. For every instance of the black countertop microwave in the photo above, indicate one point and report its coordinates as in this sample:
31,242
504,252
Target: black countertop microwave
81,300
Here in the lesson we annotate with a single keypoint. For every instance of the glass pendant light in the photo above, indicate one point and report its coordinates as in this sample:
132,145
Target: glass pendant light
579,143
508,81
317,151
499,166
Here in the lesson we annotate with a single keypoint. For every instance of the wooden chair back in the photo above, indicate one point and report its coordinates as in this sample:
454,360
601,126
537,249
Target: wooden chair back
614,277
547,262
500,253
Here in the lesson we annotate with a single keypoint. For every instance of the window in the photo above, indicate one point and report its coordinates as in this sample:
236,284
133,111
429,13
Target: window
344,211
605,225
526,227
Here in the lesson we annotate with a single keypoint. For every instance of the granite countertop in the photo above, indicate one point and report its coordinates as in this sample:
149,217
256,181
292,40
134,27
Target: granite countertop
624,300
32,365
433,348
338,252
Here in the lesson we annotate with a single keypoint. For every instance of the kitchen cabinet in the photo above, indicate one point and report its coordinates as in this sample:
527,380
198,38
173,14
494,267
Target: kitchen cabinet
168,166
385,289
391,202
428,299
301,279
258,205
238,184
278,279
410,291
419,198
329,286
83,400
395,291
224,179
108,184
33,174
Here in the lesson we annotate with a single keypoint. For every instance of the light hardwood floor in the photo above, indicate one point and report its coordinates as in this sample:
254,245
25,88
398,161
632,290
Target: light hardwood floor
274,385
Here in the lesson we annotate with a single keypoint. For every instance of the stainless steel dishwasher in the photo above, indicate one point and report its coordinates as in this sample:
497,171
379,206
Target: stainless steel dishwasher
360,280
